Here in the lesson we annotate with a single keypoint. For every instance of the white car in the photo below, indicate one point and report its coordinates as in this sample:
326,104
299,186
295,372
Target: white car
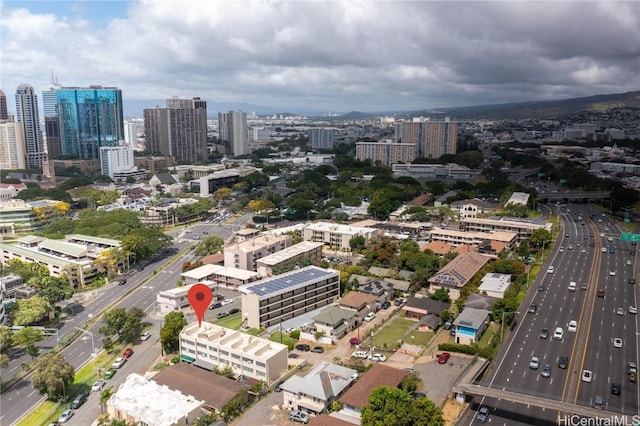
633,310
97,385
617,342
612,272
377,357
558,333
119,362
534,363
619,311
145,336
550,270
604,249
370,316
226,302
587,376
573,326
360,354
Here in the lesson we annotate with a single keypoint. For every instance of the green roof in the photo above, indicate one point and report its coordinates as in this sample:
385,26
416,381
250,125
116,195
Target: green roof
64,247
39,257
92,239
28,239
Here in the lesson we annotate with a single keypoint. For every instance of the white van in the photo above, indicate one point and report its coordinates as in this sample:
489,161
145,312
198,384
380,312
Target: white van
572,286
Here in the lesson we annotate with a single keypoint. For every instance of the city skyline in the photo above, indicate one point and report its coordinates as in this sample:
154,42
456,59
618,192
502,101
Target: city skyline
332,56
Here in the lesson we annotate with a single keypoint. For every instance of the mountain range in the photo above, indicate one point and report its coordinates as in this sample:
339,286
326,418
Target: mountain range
520,110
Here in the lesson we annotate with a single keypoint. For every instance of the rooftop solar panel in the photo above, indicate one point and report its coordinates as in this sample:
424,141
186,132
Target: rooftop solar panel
289,280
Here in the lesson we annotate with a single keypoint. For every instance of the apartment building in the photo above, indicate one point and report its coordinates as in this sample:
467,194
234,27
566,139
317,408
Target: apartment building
335,235
276,299
176,299
458,238
308,250
386,152
209,346
449,171
244,254
522,227
217,275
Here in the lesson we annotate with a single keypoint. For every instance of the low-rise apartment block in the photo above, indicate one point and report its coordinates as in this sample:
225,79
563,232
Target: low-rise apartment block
309,250
217,275
209,346
244,254
522,227
276,299
336,236
458,238
176,299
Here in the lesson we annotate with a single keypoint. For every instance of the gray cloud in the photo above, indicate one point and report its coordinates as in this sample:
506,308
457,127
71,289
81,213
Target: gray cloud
334,55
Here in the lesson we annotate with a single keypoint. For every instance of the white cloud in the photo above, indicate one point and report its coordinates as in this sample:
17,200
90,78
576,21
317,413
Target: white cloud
335,55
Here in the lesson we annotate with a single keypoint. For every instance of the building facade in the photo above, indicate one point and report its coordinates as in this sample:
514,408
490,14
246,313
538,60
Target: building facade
232,127
51,122
90,118
12,150
217,275
4,111
433,139
523,228
386,152
179,130
210,346
308,250
244,254
28,119
116,159
335,235
321,138
276,299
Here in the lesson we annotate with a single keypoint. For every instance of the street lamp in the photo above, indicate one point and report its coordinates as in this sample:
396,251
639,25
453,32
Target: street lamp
93,345
502,325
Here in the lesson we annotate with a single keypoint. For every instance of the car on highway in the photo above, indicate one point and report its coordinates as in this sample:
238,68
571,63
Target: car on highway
299,416
370,316
544,334
619,311
483,414
541,287
550,270
604,249
145,336
65,416
572,286
561,249
583,286
533,308
546,370
632,281
563,362
444,357
617,342
558,333
633,309
215,305
616,388
119,362
587,376
612,273
317,349
598,402
127,353
97,385
600,292
628,262
612,250
377,357
110,373
573,326
79,400
534,363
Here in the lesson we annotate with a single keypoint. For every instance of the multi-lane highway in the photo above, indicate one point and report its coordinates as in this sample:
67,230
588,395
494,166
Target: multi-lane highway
140,290
582,255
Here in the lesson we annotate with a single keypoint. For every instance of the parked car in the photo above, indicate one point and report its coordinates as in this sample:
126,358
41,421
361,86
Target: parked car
79,400
215,305
278,387
448,324
370,316
145,336
110,373
299,416
66,415
360,354
303,347
119,362
127,353
222,315
444,357
317,349
97,385
377,357
233,311
386,305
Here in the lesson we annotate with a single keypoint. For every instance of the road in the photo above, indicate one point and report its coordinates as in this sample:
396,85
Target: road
577,258
159,274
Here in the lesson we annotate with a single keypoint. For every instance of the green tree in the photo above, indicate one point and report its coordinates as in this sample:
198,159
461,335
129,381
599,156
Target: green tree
53,289
53,376
174,322
132,326
539,237
113,321
107,343
426,413
31,311
6,338
105,395
387,406
357,243
33,351
209,245
27,336
4,361
441,295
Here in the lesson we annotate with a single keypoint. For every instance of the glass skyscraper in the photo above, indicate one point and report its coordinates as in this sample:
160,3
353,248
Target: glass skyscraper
89,118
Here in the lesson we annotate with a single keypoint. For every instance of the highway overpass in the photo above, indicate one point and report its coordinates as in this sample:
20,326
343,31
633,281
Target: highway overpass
574,195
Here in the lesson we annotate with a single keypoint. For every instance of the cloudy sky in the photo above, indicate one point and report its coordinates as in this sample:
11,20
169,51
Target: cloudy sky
326,55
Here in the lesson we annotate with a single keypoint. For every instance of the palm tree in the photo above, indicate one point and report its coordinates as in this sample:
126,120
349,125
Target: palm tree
104,398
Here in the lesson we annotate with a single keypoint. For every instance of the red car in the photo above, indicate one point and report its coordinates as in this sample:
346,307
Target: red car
444,357
127,353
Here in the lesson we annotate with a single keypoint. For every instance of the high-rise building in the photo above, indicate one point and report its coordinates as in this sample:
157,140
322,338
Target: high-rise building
115,159
223,126
4,112
433,139
90,118
12,151
386,152
237,132
131,130
179,130
28,119
51,122
321,138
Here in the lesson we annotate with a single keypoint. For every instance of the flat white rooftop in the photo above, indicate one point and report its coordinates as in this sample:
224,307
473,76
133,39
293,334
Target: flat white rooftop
289,252
339,228
204,271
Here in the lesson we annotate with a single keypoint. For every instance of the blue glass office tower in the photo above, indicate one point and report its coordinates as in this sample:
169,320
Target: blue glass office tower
89,118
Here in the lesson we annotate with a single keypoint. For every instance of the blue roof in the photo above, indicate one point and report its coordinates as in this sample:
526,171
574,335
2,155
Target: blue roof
288,280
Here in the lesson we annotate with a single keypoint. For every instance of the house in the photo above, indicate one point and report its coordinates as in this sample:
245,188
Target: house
398,285
457,273
495,285
429,322
214,390
470,325
142,401
360,303
418,307
438,247
358,394
382,290
213,259
473,207
381,272
335,322
162,179
317,390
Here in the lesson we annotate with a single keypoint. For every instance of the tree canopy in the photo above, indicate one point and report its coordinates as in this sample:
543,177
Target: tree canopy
174,322
393,406
53,376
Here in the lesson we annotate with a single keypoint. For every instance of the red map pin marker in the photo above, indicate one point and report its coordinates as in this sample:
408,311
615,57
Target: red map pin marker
200,297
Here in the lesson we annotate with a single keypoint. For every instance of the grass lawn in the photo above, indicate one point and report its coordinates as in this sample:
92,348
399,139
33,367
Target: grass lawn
233,321
492,330
389,335
286,339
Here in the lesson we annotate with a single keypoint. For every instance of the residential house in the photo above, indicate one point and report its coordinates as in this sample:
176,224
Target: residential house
360,303
382,290
418,307
317,390
358,394
335,322
495,285
470,325
438,247
457,273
